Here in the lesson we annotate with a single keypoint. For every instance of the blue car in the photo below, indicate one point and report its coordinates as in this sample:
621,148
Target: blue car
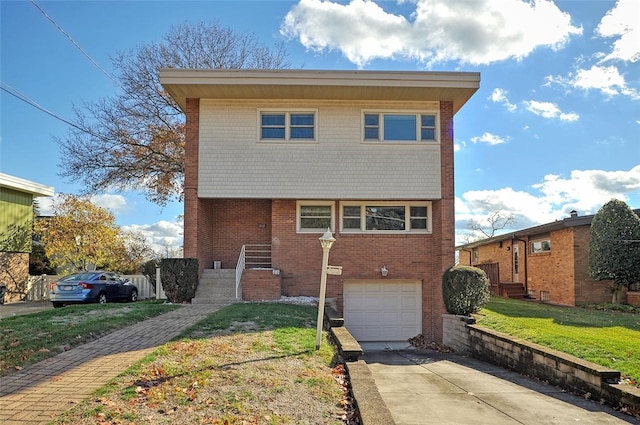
91,287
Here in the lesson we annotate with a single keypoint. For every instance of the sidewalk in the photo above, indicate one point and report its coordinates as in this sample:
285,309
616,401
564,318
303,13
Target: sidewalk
41,392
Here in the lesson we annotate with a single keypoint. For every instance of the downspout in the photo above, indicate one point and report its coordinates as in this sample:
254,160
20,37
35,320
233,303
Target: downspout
464,249
526,265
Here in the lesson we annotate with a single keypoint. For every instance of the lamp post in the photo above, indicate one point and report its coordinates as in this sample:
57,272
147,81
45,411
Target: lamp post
326,241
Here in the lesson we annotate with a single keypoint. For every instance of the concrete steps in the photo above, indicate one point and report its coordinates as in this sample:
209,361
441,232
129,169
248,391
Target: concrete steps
216,286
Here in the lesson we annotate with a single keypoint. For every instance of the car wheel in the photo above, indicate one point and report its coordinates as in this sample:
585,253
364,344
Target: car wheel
102,298
56,304
133,297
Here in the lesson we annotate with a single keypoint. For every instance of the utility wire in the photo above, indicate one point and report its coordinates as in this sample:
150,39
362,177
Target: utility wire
74,42
17,94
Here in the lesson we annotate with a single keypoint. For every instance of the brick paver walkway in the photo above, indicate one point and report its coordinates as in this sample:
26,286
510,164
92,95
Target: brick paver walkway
41,392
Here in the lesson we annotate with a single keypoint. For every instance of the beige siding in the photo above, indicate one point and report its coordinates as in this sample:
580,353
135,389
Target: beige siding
234,164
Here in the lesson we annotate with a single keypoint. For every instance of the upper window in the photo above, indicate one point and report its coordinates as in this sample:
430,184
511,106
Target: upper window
279,125
400,127
386,217
315,216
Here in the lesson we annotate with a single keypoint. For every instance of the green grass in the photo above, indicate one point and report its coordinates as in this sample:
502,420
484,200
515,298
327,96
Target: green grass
30,338
246,363
607,338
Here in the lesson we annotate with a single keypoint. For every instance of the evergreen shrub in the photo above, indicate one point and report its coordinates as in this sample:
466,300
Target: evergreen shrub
465,290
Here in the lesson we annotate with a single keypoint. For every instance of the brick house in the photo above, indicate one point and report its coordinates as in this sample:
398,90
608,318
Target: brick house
274,158
16,221
548,262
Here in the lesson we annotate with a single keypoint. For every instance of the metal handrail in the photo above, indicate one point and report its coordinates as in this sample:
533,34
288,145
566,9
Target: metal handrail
240,270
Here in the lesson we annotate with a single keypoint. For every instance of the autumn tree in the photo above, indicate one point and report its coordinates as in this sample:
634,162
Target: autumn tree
81,235
614,247
135,140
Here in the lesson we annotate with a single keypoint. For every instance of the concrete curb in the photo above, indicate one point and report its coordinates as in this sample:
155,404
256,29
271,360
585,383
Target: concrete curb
371,407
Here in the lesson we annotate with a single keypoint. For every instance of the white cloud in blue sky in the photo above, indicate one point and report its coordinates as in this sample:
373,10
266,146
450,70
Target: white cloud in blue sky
473,32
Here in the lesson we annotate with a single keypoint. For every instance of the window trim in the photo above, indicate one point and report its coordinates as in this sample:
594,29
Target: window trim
300,204
418,115
407,206
287,112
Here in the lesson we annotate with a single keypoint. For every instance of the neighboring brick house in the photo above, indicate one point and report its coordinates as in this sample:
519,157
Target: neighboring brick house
550,262
16,222
274,158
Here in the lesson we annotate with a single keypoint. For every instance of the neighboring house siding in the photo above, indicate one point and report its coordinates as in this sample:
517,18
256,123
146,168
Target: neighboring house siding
16,216
587,290
553,271
233,163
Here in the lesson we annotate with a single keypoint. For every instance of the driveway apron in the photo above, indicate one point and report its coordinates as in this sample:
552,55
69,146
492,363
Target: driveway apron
40,392
427,387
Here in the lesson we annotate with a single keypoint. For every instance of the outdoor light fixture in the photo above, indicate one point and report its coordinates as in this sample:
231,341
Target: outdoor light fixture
326,241
384,271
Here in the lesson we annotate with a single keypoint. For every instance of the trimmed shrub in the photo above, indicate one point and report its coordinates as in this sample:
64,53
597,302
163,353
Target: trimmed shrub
179,277
465,290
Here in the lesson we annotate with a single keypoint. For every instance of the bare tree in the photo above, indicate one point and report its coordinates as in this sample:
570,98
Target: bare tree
135,140
496,221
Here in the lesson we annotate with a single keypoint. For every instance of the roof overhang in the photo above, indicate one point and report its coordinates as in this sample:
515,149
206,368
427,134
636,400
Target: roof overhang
457,87
26,186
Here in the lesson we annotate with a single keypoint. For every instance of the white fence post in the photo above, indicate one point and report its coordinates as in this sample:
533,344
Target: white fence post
160,295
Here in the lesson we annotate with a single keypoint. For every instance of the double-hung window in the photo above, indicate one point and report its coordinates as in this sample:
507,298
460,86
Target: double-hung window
400,127
386,217
286,125
315,216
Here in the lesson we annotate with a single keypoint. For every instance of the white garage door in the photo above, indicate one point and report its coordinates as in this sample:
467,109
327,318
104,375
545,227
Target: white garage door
383,310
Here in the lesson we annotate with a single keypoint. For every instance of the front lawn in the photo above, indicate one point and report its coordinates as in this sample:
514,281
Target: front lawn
31,338
244,364
607,338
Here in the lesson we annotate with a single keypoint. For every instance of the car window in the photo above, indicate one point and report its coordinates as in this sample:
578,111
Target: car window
77,277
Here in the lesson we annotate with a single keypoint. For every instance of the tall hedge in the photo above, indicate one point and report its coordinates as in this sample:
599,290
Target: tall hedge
465,290
614,247
179,277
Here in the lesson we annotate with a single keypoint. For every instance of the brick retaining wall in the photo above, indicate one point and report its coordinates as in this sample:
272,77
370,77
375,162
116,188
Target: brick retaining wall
560,369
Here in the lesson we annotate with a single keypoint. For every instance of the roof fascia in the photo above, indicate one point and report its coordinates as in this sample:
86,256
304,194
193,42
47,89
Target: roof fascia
26,186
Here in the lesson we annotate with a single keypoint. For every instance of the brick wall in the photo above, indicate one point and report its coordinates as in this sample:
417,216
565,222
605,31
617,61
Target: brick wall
553,271
587,290
260,285
237,222
191,211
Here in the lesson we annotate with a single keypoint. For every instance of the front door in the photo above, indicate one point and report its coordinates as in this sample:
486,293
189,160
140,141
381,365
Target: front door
516,263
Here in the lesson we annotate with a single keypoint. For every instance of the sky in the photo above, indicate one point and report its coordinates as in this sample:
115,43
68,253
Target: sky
554,127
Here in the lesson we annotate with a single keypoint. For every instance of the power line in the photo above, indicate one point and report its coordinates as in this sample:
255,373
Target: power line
74,42
17,94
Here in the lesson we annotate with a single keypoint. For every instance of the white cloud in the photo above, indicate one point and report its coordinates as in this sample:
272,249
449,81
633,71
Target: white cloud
114,203
551,199
607,79
475,32
489,138
164,237
550,110
500,96
622,21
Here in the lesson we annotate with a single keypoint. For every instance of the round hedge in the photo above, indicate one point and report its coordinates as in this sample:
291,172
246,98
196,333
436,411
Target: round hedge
465,290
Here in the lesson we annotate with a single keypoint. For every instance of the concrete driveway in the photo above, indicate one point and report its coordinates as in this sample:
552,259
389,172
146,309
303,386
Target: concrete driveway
23,307
427,387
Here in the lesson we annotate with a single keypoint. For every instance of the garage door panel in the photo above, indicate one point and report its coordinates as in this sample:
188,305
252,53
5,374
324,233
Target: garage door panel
383,310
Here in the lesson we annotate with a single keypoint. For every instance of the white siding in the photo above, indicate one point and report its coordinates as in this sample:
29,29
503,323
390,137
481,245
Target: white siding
234,164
